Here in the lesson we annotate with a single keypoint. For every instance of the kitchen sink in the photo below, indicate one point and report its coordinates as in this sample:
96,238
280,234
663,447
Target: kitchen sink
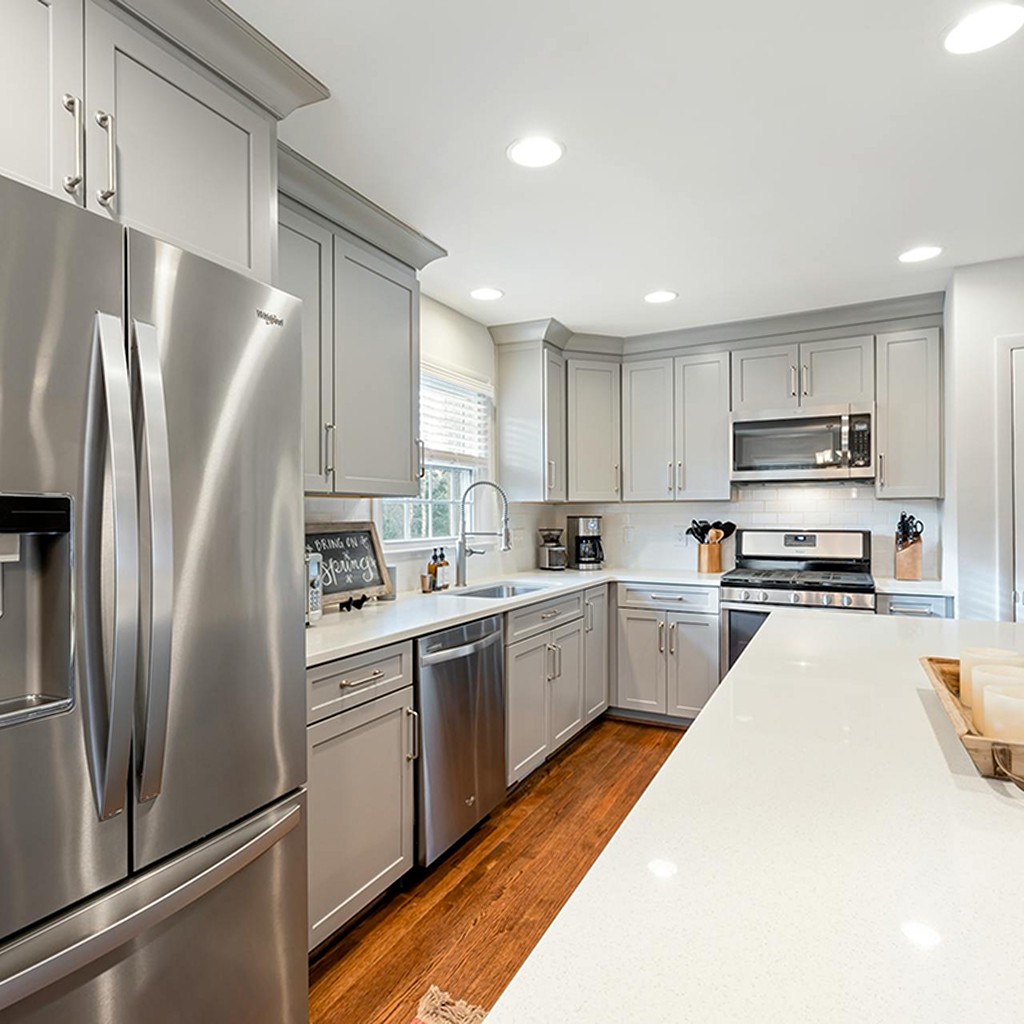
495,590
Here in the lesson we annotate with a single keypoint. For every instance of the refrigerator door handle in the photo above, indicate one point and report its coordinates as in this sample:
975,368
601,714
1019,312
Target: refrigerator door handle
109,719
153,425
51,954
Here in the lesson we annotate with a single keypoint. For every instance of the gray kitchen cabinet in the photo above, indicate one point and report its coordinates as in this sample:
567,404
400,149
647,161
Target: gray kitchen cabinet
595,653
675,434
642,675
594,408
813,374
376,372
838,372
765,379
692,662
360,808
42,81
531,408
306,269
172,152
566,716
648,439
908,415
527,679
702,428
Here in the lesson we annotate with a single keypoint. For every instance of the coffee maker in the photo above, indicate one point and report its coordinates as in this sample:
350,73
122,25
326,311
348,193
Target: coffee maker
551,553
584,542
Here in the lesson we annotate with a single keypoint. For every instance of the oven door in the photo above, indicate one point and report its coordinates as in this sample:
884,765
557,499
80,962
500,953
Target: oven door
739,623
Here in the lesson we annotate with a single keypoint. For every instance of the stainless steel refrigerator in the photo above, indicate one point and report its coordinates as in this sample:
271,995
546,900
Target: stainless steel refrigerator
152,741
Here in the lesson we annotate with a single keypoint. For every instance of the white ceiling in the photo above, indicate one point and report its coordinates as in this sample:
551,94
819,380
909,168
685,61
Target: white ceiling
756,157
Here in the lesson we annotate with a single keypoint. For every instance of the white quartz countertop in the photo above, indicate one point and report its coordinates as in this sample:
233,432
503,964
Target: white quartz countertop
340,634
818,848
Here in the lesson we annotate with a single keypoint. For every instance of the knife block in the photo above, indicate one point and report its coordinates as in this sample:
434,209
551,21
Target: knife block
908,561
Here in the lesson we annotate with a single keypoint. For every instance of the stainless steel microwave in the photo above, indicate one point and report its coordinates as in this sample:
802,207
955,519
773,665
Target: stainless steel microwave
835,443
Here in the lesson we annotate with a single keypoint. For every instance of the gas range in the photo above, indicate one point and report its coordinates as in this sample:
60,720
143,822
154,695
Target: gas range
819,569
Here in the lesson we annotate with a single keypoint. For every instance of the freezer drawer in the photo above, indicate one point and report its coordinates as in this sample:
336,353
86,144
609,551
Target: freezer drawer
220,929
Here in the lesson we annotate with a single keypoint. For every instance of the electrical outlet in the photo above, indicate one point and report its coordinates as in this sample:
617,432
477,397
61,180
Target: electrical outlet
680,534
628,535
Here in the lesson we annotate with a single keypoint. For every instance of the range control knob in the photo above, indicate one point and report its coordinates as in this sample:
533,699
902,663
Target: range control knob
794,598
847,601
763,595
745,596
825,599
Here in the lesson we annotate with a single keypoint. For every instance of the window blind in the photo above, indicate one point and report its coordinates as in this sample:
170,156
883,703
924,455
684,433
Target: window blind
455,422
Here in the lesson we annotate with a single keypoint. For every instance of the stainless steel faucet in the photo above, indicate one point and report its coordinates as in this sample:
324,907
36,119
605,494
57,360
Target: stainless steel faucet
463,550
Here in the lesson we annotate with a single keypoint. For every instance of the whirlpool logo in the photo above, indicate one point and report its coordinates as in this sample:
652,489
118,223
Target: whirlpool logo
269,318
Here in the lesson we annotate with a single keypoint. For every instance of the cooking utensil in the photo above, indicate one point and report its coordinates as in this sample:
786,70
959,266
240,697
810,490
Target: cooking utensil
715,536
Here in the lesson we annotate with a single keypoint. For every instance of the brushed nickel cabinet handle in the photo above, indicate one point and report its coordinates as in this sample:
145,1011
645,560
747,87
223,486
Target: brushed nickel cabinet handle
550,615
881,469
422,448
792,381
329,443
671,477
672,639
109,125
415,719
661,637
377,673
73,105
805,372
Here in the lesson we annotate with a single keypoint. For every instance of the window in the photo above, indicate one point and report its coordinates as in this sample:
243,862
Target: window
455,426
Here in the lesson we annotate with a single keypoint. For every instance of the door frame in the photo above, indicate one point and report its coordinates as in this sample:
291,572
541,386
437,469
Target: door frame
1009,549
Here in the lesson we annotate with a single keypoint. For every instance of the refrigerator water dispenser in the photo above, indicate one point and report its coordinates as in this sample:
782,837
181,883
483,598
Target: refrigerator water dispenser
35,606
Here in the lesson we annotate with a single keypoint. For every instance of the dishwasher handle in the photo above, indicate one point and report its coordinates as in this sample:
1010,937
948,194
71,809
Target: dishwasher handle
451,653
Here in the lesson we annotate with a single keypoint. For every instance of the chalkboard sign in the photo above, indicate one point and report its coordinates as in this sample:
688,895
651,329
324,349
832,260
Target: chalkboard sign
353,561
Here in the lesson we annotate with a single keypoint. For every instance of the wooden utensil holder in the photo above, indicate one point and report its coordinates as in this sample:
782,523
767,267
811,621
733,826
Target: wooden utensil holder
908,561
709,558
995,759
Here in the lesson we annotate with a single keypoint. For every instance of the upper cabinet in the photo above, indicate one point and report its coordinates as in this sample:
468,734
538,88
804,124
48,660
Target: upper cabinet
675,429
42,141
159,118
532,422
595,434
909,415
779,378
360,334
174,154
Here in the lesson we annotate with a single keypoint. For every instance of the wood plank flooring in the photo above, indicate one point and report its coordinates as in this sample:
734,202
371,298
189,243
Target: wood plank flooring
468,924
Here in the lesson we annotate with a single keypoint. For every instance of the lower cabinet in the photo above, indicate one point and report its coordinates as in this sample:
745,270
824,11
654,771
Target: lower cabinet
595,653
544,678
668,660
920,606
361,808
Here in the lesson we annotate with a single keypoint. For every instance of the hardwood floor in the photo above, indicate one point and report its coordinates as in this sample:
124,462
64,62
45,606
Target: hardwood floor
469,923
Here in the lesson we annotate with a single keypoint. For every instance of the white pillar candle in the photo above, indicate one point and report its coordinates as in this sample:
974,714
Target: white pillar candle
1004,712
972,656
983,678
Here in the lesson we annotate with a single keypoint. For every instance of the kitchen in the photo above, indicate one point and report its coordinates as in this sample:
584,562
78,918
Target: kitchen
754,376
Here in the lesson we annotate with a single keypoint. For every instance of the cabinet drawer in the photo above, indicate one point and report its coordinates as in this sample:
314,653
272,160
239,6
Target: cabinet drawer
539,617
344,684
672,597
916,605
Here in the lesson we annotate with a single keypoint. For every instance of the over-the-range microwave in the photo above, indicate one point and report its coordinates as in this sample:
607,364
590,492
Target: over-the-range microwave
833,443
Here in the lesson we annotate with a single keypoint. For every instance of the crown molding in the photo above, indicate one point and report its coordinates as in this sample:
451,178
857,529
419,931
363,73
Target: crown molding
549,330
213,34
313,187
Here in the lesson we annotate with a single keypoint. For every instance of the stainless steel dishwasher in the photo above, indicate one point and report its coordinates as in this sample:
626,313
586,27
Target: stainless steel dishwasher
461,701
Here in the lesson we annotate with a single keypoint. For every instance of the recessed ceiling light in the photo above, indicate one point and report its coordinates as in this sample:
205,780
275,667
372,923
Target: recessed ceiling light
920,934
486,294
920,253
535,151
985,27
663,296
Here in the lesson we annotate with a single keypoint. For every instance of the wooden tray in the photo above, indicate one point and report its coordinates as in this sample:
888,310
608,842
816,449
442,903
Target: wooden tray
995,759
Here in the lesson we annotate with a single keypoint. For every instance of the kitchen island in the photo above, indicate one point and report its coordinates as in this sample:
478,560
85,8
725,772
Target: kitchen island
818,848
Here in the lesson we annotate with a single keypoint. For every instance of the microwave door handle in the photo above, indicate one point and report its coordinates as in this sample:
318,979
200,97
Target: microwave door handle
845,440
156,443
109,433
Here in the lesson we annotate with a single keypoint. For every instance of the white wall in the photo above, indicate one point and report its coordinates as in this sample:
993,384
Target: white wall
453,341
647,535
985,303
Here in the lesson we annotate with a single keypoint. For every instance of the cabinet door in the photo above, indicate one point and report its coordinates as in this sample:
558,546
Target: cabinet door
40,64
194,163
909,415
376,373
837,372
595,652
306,269
642,670
529,666
360,808
595,434
765,379
702,428
692,662
554,426
648,460
566,687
